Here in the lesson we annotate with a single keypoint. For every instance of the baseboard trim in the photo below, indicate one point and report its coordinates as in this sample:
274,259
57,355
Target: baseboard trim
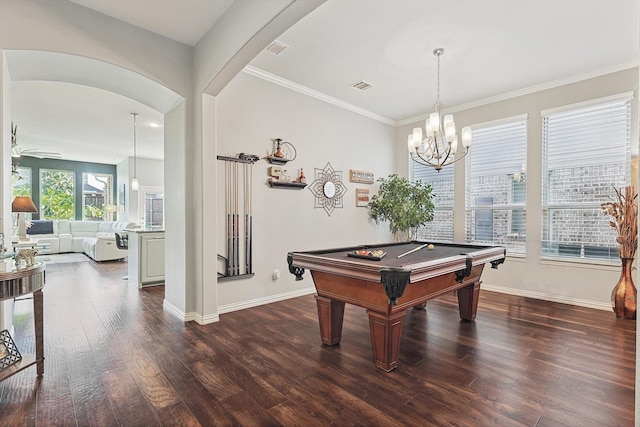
228,308
548,297
175,311
191,316
205,320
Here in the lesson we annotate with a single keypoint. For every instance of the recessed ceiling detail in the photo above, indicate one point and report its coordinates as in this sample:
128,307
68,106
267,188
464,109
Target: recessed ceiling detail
276,47
362,85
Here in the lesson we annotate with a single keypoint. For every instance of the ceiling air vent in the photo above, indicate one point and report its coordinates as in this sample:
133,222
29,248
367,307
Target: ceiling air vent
276,47
362,85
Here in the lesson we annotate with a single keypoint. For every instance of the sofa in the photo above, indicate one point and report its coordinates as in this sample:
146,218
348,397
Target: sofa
94,238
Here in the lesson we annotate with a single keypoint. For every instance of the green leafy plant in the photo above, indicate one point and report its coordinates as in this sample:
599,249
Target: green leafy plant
91,213
57,196
405,205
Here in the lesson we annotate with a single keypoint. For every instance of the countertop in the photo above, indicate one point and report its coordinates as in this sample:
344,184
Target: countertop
144,230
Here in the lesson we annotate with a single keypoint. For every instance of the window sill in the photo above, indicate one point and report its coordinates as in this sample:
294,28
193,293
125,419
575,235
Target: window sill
516,255
587,263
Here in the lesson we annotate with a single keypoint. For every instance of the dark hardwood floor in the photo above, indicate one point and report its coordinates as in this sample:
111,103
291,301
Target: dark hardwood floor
113,357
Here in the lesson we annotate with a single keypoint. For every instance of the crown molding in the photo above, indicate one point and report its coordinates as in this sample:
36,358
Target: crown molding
527,90
257,72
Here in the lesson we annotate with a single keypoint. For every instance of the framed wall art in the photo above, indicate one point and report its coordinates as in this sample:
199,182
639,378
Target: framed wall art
362,197
328,188
362,177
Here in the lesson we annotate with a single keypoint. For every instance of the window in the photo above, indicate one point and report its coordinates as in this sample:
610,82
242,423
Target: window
57,199
21,182
496,184
97,196
153,210
440,229
586,153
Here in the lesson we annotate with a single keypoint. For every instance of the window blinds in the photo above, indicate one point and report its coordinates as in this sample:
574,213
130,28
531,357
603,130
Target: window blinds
586,154
496,185
440,229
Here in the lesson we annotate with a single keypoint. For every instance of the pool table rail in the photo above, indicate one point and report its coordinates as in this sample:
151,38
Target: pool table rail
372,270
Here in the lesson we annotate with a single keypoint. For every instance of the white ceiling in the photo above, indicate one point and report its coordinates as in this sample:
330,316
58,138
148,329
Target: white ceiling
492,48
185,21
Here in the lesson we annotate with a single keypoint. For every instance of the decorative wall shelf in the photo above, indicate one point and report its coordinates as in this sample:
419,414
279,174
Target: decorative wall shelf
296,185
277,160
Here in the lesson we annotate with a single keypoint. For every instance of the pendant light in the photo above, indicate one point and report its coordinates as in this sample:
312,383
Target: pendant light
134,181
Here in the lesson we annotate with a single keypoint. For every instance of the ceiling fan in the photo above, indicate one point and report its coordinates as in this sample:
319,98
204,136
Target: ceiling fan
17,151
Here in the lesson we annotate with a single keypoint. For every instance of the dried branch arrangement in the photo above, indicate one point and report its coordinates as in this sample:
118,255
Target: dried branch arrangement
625,220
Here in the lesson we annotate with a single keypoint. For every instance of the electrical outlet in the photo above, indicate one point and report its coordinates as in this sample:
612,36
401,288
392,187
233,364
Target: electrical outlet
276,274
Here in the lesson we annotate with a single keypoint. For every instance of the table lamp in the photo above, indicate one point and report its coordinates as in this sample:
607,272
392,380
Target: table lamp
22,205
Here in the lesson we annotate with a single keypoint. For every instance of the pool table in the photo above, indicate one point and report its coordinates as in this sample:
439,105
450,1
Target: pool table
406,275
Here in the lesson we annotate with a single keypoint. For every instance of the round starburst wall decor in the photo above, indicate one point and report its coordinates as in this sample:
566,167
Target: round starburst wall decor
328,188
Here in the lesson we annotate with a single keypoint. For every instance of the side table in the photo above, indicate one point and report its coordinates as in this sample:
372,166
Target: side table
16,283
33,244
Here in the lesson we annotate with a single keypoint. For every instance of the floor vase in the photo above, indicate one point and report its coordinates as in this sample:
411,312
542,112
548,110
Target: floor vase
623,296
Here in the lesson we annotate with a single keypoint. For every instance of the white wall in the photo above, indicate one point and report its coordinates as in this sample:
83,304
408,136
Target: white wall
563,281
177,270
250,112
150,173
6,218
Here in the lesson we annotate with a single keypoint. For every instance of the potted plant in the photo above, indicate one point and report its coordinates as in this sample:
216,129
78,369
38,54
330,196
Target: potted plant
405,205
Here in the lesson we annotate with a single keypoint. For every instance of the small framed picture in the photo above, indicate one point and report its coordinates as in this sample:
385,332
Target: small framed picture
362,177
362,197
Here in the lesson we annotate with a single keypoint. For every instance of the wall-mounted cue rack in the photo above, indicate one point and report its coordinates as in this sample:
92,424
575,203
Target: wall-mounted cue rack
239,217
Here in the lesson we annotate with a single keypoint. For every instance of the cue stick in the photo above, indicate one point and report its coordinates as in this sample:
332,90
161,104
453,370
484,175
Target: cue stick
233,222
231,260
227,207
237,232
233,216
251,219
413,250
246,218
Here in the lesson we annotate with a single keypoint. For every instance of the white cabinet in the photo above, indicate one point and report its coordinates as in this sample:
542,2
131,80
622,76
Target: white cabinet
146,257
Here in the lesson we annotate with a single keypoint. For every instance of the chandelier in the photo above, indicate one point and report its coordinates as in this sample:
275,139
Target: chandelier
440,145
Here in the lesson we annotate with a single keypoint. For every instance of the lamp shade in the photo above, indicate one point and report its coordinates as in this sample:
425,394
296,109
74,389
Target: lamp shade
23,204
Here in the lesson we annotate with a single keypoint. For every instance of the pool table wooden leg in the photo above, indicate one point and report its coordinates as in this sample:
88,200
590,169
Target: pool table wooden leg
468,301
330,315
386,332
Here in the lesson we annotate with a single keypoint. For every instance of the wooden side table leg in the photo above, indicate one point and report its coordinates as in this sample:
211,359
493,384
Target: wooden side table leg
38,320
330,316
386,333
468,301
